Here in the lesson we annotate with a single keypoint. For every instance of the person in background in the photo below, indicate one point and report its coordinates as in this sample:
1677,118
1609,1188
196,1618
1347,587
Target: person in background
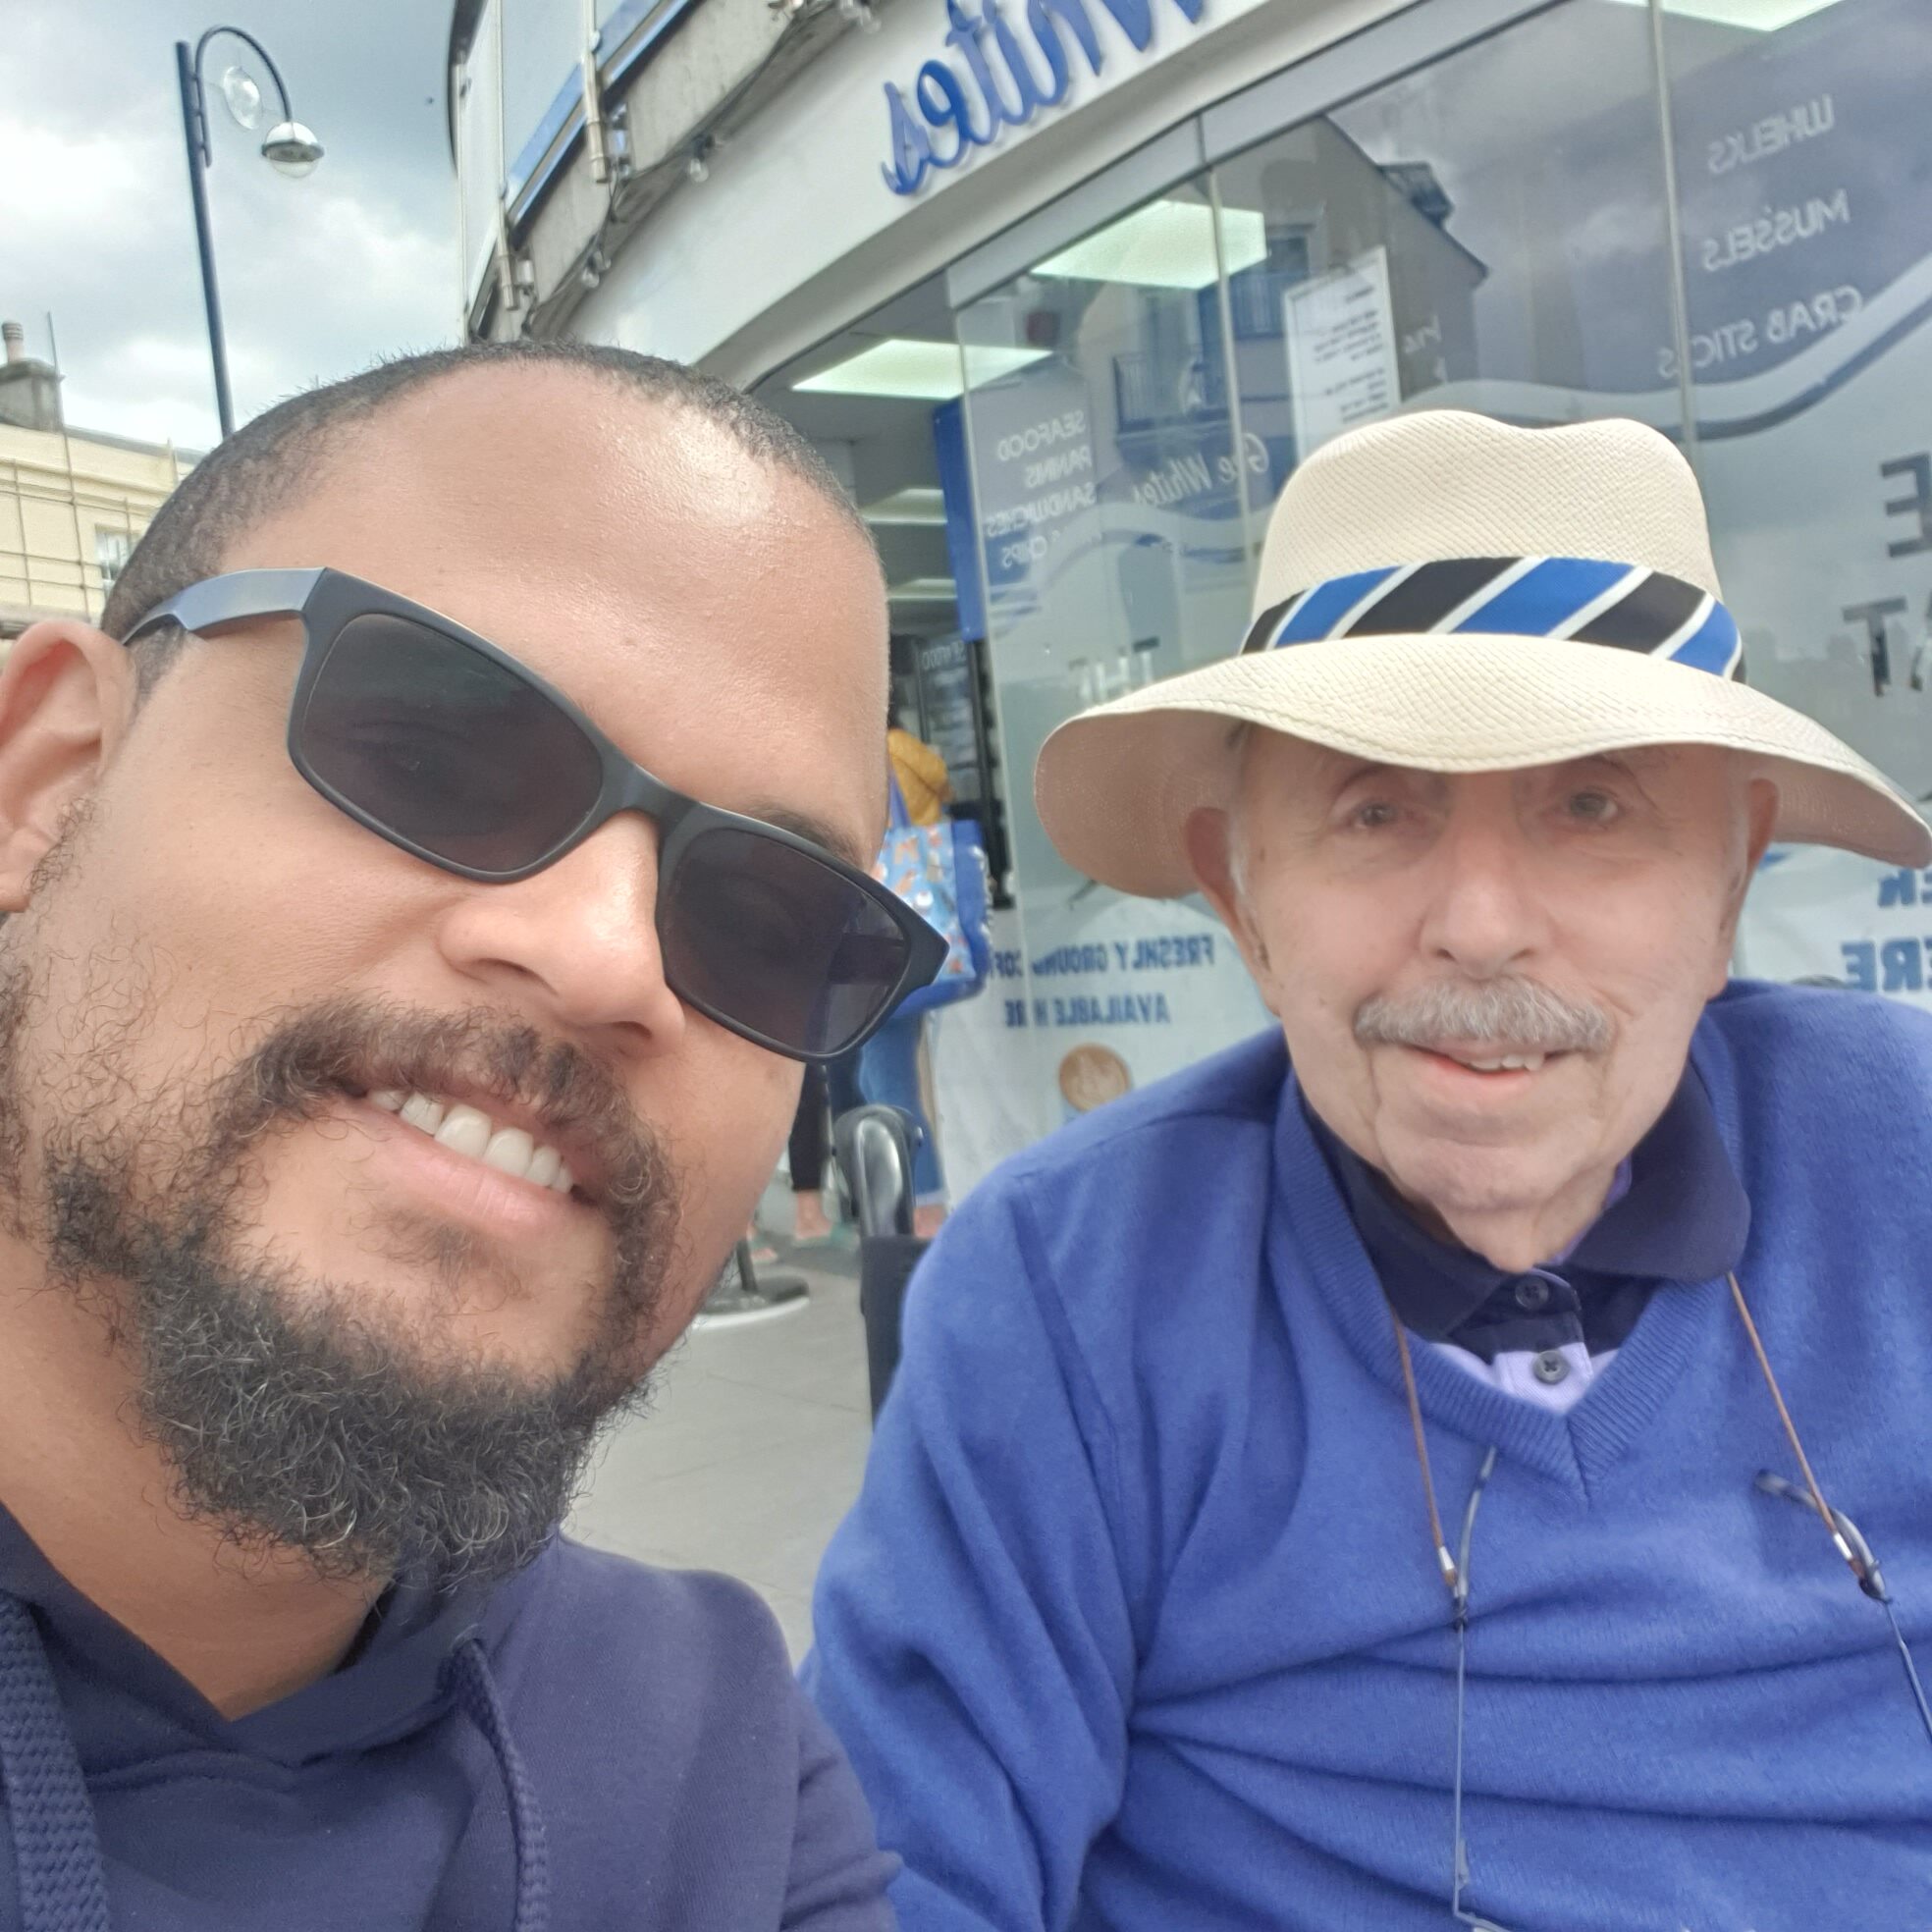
1167,1602
828,1091
889,1063
392,1048
920,771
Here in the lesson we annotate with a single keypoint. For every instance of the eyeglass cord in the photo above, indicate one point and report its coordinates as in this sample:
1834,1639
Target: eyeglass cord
1462,1876
1776,1485
1455,1569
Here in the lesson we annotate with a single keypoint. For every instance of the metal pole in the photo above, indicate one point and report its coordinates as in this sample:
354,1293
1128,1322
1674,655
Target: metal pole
193,132
593,100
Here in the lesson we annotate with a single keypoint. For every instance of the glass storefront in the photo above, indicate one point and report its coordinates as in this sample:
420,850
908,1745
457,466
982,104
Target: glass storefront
1543,223
1112,488
1804,163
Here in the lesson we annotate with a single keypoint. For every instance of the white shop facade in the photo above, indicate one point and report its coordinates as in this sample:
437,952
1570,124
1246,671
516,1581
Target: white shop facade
1065,289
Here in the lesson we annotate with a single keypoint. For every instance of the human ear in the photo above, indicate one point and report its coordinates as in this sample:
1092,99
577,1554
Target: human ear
66,696
1760,817
1208,838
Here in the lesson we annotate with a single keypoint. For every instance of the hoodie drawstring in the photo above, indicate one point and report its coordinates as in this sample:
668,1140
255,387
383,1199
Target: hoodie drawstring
56,1850
476,1693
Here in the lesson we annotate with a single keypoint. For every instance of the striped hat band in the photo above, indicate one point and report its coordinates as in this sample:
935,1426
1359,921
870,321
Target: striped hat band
1583,599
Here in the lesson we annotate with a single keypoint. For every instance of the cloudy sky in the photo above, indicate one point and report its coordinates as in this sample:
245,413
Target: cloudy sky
318,277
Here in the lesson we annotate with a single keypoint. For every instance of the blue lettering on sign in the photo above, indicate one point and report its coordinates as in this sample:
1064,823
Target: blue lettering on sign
1887,965
941,94
1071,959
1900,964
1905,888
1117,1009
1860,964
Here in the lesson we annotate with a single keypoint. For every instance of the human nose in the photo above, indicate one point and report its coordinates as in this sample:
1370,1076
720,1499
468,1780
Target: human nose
578,939
1484,915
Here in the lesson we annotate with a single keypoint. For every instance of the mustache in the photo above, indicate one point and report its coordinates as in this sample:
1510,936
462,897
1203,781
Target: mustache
352,1045
1507,1012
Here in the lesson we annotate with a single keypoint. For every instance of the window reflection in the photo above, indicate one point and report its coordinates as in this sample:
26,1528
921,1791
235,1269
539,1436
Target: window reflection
1112,490
1804,166
1453,237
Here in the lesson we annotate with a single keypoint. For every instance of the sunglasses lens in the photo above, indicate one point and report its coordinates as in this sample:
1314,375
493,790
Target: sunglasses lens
445,747
768,937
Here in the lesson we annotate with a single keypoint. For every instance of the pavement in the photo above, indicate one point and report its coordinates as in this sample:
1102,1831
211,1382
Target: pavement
752,1448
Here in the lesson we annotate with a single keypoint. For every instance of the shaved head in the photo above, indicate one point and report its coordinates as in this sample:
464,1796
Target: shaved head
273,461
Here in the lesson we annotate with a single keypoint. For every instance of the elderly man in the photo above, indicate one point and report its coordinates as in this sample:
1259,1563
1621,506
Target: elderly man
389,1060
1167,1603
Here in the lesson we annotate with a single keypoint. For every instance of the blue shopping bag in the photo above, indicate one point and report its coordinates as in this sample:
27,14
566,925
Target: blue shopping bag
941,872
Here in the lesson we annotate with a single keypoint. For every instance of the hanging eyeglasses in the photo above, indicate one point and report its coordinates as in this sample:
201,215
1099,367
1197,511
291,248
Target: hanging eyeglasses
1455,1569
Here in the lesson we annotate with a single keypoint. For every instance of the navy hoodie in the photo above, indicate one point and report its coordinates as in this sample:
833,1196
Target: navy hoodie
592,1744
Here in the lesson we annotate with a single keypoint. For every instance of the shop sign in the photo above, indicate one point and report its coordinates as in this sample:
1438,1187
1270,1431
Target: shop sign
1339,331
948,713
1117,993
1002,85
1820,913
1799,164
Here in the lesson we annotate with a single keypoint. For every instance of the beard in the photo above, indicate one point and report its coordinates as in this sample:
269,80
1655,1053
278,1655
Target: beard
294,1412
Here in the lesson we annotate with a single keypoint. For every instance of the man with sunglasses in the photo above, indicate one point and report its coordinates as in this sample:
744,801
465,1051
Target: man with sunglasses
1463,1456
421,892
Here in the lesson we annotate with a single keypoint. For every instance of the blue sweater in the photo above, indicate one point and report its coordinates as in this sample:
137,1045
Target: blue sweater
1136,1624
594,1745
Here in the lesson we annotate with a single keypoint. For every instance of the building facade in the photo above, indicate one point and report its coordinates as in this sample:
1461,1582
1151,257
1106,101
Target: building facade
1066,288
73,502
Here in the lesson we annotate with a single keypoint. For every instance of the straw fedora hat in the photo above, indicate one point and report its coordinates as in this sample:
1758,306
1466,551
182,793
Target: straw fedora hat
1446,592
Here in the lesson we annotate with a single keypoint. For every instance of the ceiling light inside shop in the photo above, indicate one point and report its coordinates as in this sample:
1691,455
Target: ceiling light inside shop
924,590
923,371
916,506
1168,244
1766,15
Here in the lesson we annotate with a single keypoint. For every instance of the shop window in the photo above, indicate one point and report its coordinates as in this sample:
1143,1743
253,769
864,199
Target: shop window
1108,505
1803,162
880,403
1488,232
1490,228
1499,218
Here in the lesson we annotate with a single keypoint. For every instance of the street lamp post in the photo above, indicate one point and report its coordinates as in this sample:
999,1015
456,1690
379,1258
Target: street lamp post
289,147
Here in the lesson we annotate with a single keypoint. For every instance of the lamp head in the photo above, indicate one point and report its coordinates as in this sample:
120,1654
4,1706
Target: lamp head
291,149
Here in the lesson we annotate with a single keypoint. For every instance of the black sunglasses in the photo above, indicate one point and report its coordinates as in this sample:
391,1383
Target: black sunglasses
445,745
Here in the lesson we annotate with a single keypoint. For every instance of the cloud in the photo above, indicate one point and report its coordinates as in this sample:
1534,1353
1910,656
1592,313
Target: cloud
318,277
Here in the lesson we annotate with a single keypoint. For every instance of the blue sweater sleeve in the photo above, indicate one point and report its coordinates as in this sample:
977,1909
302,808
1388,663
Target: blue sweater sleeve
975,1645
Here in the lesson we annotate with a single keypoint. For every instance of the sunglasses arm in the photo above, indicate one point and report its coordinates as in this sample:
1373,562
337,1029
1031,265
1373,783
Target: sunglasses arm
230,599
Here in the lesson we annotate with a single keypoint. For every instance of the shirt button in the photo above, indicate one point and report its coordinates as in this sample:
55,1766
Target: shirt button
1550,1367
1531,1294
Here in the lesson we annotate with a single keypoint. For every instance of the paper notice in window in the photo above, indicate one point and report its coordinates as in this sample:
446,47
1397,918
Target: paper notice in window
1340,331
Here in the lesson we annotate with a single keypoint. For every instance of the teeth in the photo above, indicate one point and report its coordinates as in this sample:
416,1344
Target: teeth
509,1151
1509,1063
468,1131
464,1130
